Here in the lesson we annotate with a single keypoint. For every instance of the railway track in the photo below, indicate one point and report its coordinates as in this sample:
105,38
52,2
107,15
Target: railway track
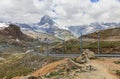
108,55
75,55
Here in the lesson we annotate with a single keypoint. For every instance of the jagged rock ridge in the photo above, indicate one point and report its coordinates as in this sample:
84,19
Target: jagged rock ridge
14,32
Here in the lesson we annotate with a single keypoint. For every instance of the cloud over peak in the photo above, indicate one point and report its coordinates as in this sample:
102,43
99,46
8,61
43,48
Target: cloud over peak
64,12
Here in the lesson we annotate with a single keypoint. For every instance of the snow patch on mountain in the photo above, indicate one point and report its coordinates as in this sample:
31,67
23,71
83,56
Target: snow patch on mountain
3,25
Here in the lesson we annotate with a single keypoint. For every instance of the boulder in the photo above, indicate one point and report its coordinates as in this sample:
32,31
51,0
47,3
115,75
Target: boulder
85,56
82,59
2,59
89,53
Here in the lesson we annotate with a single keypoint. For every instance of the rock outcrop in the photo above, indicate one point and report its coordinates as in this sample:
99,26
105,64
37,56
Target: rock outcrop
13,31
85,56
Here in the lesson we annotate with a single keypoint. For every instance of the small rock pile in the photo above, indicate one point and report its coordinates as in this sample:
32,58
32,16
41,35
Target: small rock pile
85,57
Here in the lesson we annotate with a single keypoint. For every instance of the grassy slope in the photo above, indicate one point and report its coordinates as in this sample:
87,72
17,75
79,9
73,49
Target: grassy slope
73,46
21,64
106,45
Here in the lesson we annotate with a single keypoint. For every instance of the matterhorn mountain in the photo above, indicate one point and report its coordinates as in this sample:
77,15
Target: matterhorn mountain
46,25
46,19
46,28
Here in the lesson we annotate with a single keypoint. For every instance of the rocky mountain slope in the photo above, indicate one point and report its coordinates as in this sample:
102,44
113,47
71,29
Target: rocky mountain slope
14,32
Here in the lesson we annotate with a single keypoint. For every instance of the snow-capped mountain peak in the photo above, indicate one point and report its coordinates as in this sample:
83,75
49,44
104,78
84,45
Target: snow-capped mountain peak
46,19
46,26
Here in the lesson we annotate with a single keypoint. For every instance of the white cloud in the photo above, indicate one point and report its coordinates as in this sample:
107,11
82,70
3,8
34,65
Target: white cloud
68,12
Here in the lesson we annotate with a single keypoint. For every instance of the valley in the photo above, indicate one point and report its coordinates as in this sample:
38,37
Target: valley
27,53
59,39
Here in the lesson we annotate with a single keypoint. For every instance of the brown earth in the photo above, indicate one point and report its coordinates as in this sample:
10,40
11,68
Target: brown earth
48,68
104,67
108,63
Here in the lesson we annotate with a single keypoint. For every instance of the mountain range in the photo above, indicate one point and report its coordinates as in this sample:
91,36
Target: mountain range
47,27
86,29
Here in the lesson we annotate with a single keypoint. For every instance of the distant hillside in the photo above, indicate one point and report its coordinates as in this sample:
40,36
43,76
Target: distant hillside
109,42
113,33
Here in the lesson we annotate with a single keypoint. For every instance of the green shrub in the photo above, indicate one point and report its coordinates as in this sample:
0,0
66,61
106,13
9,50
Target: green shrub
1,52
118,72
32,77
52,74
117,62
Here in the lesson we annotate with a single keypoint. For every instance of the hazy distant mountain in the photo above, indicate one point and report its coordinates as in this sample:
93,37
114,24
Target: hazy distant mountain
108,34
86,29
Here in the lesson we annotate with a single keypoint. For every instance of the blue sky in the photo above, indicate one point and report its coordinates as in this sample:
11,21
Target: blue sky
64,12
94,1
